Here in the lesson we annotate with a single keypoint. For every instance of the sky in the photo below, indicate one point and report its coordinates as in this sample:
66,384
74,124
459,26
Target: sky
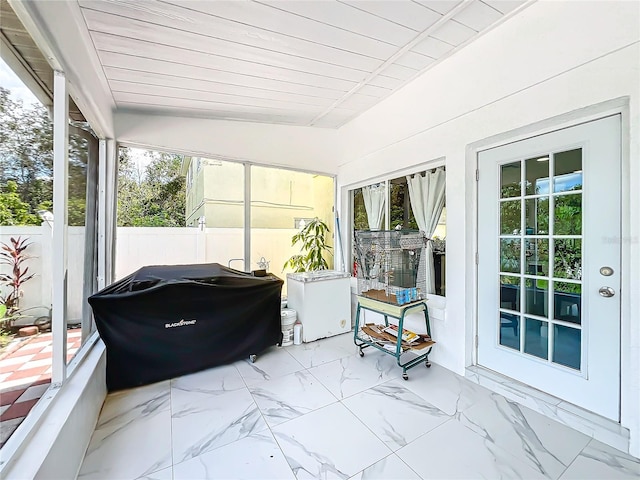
18,90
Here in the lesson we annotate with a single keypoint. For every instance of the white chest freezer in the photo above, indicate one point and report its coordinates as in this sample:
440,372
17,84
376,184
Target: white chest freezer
322,300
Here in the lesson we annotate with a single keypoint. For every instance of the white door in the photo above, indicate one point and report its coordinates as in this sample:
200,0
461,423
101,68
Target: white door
549,263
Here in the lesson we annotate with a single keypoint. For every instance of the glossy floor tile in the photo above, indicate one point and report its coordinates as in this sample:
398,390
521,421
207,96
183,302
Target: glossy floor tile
133,435
319,410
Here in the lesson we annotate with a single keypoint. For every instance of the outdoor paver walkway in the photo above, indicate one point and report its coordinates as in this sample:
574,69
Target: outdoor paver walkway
25,374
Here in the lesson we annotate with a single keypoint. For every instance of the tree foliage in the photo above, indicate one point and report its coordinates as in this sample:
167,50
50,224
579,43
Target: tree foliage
401,214
26,164
13,211
154,196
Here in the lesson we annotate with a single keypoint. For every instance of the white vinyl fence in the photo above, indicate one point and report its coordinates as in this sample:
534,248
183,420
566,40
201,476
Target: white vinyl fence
37,291
137,247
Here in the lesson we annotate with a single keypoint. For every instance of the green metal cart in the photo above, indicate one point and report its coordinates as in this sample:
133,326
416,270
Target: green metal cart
363,340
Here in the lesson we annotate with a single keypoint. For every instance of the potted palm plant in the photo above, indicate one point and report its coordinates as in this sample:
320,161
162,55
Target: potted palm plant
313,248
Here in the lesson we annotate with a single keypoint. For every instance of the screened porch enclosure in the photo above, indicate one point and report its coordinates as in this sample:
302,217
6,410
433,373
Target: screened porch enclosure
345,95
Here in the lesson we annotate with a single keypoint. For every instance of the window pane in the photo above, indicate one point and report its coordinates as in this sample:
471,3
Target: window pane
537,175
283,203
567,173
537,256
401,216
567,258
76,210
510,217
567,301
217,195
359,211
510,255
568,215
510,292
510,330
536,338
510,180
566,346
26,183
537,216
400,205
536,296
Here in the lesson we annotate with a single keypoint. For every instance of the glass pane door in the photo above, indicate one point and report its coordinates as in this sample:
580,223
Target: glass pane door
547,314
539,290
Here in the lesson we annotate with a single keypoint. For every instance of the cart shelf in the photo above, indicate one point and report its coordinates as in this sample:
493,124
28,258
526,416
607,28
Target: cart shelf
374,335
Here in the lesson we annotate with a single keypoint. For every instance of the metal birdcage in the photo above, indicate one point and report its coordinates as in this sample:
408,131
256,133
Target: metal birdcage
388,264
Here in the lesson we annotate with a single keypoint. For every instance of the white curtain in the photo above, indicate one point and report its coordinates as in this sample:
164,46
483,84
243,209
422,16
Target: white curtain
427,200
374,199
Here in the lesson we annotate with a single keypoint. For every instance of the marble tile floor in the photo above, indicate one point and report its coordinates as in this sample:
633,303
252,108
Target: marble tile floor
318,410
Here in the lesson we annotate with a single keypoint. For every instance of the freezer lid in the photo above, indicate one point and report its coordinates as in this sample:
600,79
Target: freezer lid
317,275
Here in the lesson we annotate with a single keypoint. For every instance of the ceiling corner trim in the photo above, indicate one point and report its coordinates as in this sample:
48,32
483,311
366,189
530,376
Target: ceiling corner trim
55,32
25,13
24,71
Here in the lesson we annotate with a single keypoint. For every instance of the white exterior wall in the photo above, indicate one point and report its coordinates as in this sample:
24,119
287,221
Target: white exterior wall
552,59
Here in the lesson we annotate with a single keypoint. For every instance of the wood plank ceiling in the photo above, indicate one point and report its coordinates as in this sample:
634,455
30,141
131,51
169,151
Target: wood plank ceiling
296,62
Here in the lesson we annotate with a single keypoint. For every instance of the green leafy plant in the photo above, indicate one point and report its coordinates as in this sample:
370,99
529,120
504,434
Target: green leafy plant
314,246
5,322
5,337
14,255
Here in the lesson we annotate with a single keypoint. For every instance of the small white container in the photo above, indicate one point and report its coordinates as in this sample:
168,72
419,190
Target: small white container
297,333
288,318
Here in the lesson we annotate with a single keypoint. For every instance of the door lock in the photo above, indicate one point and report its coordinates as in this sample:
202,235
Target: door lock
607,292
606,271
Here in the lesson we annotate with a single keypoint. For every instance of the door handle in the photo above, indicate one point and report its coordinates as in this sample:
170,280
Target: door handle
607,292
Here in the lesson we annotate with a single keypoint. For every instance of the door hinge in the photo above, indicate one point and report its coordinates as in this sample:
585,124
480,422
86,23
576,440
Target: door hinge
476,341
477,258
477,175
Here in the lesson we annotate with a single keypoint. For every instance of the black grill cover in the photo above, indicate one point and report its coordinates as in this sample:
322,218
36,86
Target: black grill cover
165,321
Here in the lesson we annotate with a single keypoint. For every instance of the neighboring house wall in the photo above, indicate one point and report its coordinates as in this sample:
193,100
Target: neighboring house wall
551,59
194,206
279,197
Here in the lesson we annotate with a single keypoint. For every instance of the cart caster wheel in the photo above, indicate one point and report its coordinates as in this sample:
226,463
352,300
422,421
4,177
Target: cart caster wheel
252,358
428,364
405,376
361,353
